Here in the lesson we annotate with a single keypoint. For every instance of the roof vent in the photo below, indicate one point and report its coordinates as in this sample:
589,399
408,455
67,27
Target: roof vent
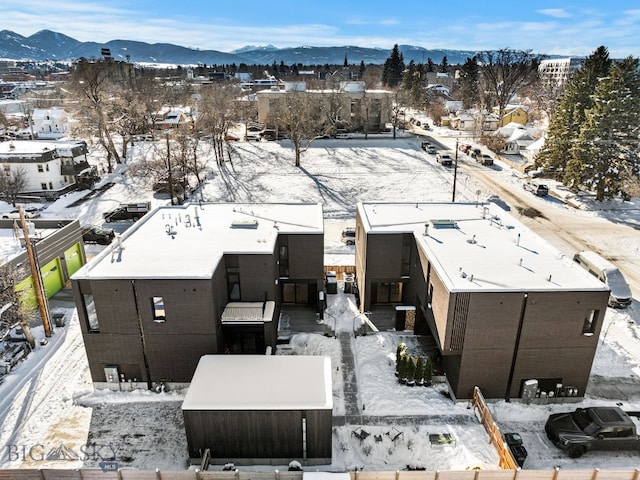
244,224
444,223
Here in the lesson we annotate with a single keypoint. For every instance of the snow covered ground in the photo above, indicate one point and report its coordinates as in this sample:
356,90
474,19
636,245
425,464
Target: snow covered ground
48,405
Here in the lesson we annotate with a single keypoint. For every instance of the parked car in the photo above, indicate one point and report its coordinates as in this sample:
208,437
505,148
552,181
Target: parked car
607,273
99,235
539,189
444,159
484,159
348,236
344,136
253,137
230,137
593,428
464,148
425,145
431,150
475,153
127,211
16,214
269,135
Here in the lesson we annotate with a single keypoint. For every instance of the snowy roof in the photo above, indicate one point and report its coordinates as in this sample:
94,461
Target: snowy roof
188,241
260,382
479,247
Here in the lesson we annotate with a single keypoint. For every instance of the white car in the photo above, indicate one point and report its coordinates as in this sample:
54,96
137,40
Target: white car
16,214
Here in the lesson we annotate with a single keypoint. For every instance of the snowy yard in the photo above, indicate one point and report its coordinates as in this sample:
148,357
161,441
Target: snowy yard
48,404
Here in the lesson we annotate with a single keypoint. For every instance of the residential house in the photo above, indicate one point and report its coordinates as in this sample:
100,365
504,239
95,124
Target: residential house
473,121
193,280
514,114
50,124
516,137
50,168
502,306
172,117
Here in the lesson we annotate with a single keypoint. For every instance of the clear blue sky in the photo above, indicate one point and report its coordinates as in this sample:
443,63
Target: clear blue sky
570,27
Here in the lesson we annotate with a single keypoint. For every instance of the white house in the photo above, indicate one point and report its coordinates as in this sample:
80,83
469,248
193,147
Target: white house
50,124
50,168
517,138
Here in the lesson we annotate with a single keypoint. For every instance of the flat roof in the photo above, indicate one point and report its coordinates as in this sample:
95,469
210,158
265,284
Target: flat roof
260,382
479,247
188,241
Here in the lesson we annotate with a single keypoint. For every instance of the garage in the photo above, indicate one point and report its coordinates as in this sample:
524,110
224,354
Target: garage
252,409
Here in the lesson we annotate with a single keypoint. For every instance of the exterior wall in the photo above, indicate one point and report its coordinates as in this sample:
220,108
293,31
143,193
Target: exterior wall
550,345
349,104
517,115
128,334
258,434
152,351
495,340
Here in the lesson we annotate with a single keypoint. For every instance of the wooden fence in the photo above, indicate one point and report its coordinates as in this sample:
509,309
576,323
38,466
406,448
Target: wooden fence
555,474
495,437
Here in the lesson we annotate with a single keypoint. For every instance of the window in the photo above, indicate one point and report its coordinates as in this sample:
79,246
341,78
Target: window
47,167
589,326
50,186
233,283
43,186
157,304
91,316
40,168
283,261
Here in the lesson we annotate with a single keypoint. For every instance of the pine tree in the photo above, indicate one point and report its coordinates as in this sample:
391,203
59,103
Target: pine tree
444,65
569,115
468,82
606,152
419,376
393,68
411,368
346,63
428,371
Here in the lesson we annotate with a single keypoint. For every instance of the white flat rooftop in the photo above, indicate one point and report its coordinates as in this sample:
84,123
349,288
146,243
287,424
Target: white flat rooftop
479,247
188,241
260,382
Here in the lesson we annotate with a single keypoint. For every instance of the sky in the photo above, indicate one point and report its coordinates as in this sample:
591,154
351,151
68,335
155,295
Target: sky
572,27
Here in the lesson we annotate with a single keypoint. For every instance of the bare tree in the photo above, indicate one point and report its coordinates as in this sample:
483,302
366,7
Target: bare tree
302,115
504,73
93,80
216,114
12,183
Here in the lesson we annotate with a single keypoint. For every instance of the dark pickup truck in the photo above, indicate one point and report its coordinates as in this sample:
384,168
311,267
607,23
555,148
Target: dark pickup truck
127,211
594,428
99,235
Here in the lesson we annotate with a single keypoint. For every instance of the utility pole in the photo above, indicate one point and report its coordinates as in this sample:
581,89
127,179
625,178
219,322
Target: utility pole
455,173
36,275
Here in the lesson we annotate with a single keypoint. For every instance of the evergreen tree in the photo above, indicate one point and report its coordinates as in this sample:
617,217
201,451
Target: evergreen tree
393,68
362,69
419,376
346,63
606,152
569,115
444,65
428,371
430,65
468,82
411,368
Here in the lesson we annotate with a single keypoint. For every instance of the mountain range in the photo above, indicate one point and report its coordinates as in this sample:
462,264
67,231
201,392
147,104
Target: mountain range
48,45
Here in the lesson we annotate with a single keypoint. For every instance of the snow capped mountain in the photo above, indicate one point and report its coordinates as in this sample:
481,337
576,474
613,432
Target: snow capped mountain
47,45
